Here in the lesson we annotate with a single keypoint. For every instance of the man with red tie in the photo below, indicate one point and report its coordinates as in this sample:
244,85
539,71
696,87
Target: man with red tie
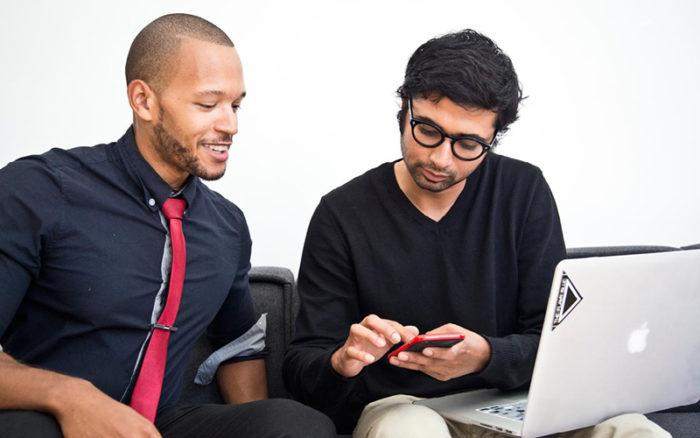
114,259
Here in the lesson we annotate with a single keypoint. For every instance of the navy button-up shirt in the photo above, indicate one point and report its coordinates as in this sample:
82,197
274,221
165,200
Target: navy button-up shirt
85,260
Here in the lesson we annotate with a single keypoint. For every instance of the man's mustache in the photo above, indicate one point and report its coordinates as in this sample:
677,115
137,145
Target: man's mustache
222,140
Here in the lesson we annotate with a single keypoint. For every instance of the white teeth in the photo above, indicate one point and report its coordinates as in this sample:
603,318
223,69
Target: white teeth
217,148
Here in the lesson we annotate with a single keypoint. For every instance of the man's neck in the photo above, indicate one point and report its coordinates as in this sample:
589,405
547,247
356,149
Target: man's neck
172,177
434,205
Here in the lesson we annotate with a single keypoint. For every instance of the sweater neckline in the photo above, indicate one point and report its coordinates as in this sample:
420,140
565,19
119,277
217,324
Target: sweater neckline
404,203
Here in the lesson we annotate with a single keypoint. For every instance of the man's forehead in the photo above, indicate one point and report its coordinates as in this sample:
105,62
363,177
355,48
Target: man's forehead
201,57
459,119
207,68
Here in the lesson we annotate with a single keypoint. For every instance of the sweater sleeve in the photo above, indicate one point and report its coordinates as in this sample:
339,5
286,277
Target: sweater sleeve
328,295
540,248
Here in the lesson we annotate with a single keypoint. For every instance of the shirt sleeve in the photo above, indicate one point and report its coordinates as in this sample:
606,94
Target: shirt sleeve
235,332
328,296
540,248
31,207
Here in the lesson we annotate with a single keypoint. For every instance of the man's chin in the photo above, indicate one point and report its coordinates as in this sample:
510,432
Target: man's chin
210,175
432,186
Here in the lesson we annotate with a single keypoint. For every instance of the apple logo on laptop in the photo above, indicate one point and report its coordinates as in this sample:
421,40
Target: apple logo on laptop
637,341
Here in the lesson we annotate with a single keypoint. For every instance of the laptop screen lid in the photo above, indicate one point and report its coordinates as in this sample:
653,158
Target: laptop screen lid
620,335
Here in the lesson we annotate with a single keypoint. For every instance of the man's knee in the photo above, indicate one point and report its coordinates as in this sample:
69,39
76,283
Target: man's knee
629,426
404,420
295,420
26,424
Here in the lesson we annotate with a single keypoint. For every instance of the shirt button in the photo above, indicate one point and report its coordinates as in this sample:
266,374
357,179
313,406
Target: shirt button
151,202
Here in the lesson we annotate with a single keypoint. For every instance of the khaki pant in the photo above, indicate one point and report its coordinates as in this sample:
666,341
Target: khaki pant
396,416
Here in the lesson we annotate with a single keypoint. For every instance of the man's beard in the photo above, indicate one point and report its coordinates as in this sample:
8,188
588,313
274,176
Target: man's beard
173,152
414,169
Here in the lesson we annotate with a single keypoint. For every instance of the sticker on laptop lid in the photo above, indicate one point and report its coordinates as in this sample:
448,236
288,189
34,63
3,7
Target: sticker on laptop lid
567,300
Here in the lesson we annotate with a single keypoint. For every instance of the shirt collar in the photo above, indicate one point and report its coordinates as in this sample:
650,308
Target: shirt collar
155,190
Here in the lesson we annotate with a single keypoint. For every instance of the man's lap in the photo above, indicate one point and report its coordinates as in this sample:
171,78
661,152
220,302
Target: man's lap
28,424
264,418
396,416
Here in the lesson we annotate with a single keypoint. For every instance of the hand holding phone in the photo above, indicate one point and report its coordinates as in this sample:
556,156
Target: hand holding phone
420,342
469,353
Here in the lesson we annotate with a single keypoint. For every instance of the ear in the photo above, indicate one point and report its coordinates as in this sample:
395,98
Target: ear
143,100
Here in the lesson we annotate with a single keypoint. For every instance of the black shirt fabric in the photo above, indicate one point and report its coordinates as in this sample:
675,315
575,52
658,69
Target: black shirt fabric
487,265
84,252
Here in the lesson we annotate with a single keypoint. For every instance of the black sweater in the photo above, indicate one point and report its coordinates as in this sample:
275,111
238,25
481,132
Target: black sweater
487,265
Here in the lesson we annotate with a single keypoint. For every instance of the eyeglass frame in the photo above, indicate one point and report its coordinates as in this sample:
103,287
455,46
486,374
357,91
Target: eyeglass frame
413,122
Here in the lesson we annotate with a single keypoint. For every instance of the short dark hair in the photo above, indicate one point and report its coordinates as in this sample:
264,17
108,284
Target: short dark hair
467,68
151,51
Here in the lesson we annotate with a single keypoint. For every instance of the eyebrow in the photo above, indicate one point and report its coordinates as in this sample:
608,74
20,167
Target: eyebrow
216,93
459,135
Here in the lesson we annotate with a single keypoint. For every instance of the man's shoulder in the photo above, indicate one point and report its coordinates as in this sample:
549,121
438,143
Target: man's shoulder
357,188
48,167
511,174
513,167
222,204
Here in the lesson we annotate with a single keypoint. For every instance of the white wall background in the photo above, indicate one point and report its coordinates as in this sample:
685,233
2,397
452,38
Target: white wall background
611,117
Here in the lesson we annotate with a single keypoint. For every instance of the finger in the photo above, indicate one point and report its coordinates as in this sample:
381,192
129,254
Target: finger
357,354
418,358
460,347
365,334
405,333
407,365
446,328
440,353
437,330
382,327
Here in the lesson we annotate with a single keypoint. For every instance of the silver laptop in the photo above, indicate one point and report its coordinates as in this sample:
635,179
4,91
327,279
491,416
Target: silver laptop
621,334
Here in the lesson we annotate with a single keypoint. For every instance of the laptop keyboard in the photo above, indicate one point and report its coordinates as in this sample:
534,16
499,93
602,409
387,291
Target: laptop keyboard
512,411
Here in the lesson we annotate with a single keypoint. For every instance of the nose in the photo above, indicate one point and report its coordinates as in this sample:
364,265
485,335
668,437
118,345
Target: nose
227,121
441,155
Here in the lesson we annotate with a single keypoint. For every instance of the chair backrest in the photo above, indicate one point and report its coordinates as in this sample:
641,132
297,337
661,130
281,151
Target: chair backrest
603,251
273,293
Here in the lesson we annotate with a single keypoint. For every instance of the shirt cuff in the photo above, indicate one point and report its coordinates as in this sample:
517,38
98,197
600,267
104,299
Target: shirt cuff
331,379
249,343
494,373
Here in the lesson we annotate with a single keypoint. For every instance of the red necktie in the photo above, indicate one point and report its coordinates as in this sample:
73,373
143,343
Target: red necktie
146,394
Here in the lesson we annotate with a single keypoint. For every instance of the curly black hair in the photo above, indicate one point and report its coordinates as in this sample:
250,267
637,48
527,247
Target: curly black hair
467,68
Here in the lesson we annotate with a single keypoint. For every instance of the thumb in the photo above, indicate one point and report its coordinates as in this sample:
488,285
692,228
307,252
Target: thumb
413,329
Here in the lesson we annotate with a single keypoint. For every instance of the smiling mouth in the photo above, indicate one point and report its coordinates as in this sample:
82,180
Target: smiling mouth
218,148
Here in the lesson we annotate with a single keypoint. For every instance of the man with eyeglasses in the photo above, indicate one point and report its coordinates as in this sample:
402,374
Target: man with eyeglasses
452,238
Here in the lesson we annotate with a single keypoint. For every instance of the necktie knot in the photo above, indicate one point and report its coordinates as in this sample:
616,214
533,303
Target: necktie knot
173,208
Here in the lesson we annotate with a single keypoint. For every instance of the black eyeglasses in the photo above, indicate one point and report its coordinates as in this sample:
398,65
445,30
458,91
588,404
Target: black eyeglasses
430,135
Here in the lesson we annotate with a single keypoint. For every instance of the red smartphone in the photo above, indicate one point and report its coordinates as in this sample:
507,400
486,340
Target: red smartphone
423,341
